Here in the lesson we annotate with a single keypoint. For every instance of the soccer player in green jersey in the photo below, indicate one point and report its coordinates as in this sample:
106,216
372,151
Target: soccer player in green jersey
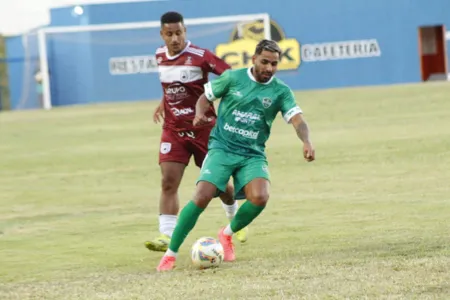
250,100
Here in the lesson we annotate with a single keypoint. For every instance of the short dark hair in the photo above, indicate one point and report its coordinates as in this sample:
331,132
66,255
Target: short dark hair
171,17
267,45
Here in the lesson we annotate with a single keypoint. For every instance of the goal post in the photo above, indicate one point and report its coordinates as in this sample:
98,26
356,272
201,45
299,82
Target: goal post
43,63
44,33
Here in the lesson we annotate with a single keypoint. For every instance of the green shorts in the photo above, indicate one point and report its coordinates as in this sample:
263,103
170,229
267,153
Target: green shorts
218,166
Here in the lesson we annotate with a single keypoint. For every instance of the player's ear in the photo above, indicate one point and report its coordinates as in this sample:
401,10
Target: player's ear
253,59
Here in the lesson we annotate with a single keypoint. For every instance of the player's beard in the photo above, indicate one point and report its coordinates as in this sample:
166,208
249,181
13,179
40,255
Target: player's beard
262,76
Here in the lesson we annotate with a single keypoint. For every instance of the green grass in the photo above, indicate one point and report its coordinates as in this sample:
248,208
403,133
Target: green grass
369,219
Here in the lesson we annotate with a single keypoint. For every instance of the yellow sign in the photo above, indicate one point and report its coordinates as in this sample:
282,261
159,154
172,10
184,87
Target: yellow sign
239,51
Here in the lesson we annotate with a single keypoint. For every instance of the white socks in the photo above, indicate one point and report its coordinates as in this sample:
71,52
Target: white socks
167,224
230,210
228,230
170,253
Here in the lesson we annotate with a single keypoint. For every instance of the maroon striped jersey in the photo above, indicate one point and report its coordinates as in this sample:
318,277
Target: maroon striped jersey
183,77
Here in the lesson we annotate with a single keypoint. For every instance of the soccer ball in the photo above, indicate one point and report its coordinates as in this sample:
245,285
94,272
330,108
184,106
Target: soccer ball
207,252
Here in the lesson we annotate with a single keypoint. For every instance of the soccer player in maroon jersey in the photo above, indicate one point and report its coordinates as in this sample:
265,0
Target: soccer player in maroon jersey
183,71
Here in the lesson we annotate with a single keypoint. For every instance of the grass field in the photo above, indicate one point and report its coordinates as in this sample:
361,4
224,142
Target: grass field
370,219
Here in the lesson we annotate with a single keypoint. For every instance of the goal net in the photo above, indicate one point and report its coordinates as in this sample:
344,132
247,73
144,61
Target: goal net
23,66
116,62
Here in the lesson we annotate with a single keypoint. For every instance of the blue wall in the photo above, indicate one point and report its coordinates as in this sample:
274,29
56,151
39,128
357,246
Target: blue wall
23,61
79,62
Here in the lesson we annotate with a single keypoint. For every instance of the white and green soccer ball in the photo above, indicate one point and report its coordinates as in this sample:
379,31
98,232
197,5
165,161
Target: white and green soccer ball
207,252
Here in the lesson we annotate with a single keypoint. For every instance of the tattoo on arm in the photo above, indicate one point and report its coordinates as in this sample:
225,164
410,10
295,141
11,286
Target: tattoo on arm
302,131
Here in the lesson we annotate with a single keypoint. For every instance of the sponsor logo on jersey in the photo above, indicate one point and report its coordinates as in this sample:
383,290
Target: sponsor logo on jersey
239,50
175,93
242,132
171,90
182,111
246,117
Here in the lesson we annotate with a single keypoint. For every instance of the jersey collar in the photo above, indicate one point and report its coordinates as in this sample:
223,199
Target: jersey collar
188,44
250,74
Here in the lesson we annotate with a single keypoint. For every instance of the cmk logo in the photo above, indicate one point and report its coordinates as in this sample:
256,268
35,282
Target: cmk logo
239,51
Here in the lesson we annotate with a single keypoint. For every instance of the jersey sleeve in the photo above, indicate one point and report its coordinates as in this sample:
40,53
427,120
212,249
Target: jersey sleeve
214,64
289,107
218,87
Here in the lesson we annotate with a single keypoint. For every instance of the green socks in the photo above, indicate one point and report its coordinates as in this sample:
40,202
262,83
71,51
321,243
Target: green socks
245,215
186,221
191,212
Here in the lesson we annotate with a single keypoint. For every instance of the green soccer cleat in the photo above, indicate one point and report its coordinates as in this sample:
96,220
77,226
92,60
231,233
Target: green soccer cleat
160,244
242,235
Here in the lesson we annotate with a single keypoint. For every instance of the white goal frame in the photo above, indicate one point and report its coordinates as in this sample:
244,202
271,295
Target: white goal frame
42,40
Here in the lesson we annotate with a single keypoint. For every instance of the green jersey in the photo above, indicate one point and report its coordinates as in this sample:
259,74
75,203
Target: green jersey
247,110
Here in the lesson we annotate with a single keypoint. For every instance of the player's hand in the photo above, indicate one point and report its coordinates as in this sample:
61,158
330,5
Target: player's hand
308,152
200,120
158,114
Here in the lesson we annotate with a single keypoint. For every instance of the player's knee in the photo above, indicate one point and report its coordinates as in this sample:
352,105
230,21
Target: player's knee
204,194
259,198
202,198
169,184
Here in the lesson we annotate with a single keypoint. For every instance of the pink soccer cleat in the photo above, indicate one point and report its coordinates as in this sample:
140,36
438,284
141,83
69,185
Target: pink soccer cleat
227,244
167,263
